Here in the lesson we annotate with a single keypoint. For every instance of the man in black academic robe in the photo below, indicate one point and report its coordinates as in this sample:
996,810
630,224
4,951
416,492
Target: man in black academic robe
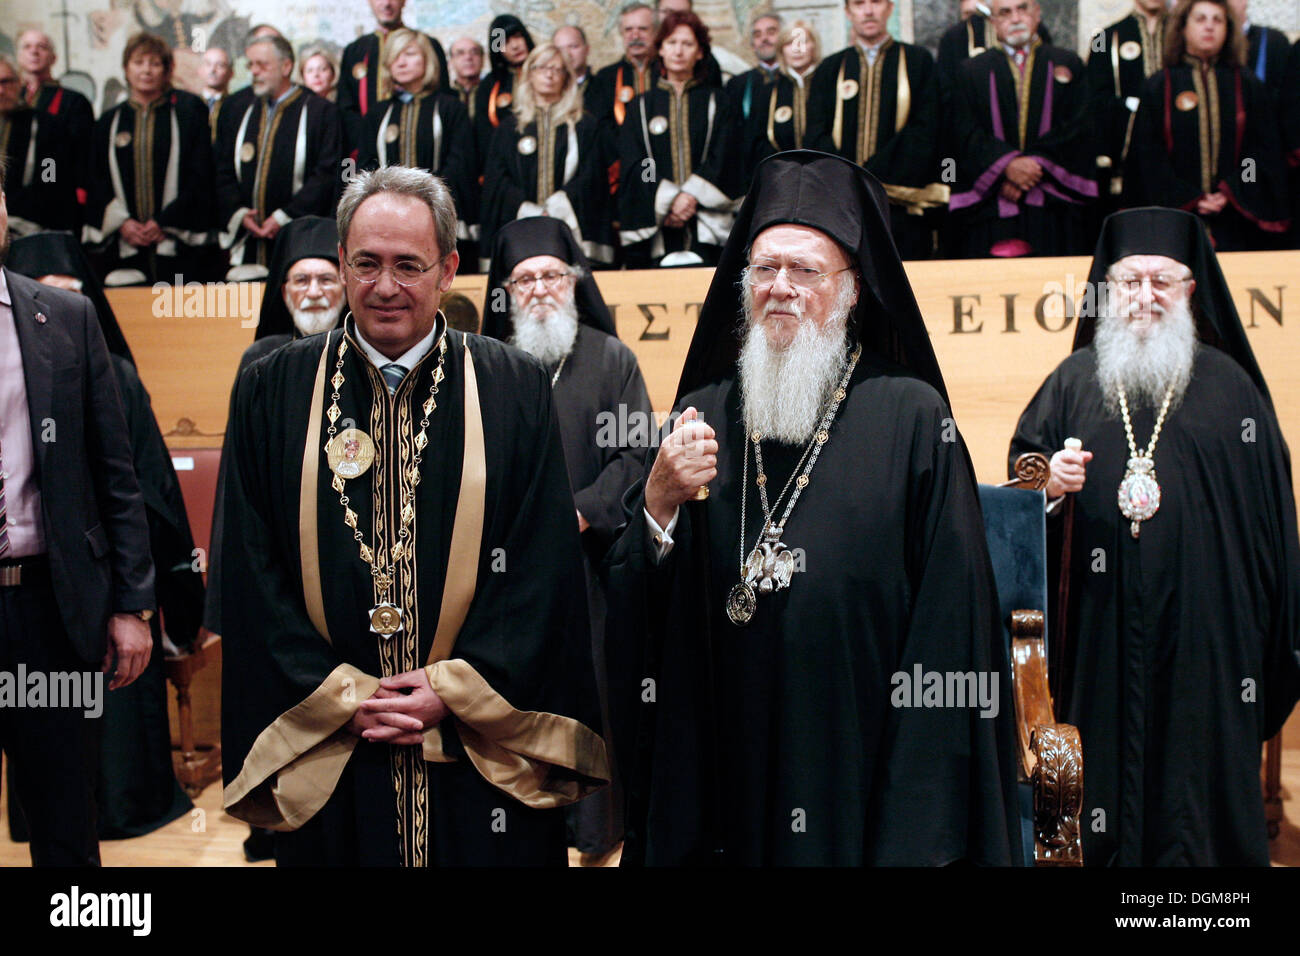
278,158
31,144
1181,631
1024,165
363,81
876,103
408,673
778,741
605,417
1121,58
967,39
749,90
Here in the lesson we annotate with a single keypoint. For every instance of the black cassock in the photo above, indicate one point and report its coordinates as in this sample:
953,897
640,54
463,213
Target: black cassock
816,766
364,84
670,142
1166,630
430,131
548,168
1240,154
289,167
524,642
996,119
152,162
1122,57
883,116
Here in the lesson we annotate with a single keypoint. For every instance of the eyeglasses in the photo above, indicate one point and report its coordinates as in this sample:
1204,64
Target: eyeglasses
552,68
405,273
304,282
551,280
762,276
1160,284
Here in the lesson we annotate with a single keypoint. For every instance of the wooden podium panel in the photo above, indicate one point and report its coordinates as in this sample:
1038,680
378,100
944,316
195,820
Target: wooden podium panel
998,327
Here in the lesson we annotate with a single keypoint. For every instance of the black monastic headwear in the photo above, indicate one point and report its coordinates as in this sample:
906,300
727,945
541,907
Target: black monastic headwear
841,199
59,253
1159,231
539,236
307,237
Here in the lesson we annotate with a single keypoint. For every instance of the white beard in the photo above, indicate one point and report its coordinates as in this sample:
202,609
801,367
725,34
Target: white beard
315,316
1146,364
546,328
784,391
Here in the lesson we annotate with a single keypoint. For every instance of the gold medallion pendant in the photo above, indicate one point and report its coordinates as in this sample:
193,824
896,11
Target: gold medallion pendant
385,619
350,453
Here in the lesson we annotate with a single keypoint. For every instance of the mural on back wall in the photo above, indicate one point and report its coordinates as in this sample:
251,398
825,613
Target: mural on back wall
89,35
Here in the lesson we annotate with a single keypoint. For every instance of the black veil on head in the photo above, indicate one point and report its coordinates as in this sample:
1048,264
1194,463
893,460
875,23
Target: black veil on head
539,236
508,25
307,237
59,253
809,188
1159,231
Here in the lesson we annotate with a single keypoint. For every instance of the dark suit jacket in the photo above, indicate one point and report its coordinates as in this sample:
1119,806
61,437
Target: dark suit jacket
96,531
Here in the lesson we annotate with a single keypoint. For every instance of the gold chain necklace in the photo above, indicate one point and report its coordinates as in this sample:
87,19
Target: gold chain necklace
771,564
350,454
1139,492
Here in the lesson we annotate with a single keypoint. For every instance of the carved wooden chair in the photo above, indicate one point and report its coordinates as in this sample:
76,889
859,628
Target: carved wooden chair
1049,754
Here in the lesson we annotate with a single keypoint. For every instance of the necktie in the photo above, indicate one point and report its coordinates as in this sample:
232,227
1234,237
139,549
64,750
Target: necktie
393,375
4,527
1020,61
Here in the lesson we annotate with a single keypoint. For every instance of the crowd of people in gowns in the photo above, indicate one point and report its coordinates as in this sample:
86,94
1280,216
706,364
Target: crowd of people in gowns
1004,145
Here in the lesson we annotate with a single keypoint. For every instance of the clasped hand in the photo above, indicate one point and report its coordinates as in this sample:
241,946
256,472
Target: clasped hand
400,711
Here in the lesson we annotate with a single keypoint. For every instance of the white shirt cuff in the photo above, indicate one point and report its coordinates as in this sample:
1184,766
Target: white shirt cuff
661,539
1054,505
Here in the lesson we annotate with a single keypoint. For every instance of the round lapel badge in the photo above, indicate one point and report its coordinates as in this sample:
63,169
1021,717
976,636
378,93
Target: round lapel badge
1062,74
659,125
1187,100
247,152
391,134
848,89
783,114
527,145
626,94
504,99
1130,50
358,71
123,140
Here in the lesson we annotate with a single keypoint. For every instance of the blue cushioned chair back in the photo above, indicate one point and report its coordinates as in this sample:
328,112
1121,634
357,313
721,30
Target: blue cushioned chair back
1015,525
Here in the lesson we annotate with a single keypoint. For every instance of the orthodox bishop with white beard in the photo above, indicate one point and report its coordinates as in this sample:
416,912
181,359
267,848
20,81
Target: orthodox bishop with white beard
540,277
756,636
1180,636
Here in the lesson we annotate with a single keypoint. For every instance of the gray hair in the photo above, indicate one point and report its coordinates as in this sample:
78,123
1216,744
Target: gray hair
281,46
633,7
404,181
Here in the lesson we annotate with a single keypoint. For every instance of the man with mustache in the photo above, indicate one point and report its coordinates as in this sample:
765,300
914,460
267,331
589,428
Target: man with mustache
1184,568
542,299
755,634
278,157
614,86
1024,168
876,103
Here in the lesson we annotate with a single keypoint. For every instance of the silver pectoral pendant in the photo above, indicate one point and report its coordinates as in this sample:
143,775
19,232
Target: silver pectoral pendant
768,568
1139,493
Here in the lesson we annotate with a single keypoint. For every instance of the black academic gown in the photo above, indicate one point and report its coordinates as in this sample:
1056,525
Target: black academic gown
1266,55
1172,171
815,766
693,146
152,162
780,118
432,132
525,632
69,120
600,384
1290,108
24,147
1051,219
492,109
299,177
966,40
570,186
865,127
364,84
1166,629
1122,57
748,92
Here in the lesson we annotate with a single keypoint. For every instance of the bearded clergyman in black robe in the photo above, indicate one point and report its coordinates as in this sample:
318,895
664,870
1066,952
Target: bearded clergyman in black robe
1120,60
408,670
1024,165
277,157
1184,566
1207,134
877,104
758,638
551,308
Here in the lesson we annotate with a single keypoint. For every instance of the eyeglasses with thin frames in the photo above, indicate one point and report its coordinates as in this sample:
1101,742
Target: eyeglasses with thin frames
763,276
550,280
406,273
